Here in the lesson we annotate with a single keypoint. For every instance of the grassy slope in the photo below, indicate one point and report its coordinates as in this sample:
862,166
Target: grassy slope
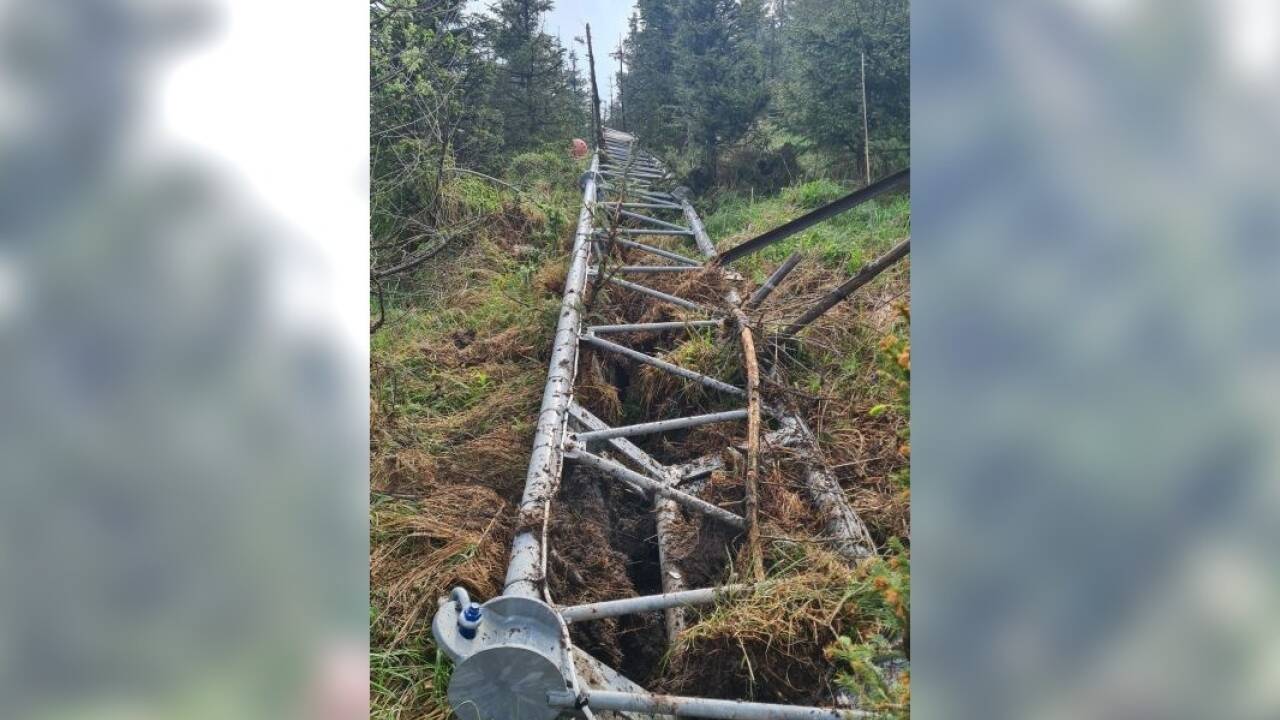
844,242
851,377
855,362
457,376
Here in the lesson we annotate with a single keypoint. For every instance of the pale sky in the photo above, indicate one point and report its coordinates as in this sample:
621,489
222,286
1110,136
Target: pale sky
608,20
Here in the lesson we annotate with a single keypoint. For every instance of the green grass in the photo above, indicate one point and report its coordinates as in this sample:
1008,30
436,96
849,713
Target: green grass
409,683
430,398
458,361
844,242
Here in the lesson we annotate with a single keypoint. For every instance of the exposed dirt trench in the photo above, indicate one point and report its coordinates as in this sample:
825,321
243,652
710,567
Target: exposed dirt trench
605,534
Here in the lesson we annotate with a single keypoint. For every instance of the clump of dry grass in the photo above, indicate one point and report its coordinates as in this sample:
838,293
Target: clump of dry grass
771,642
700,351
550,278
422,547
835,374
485,441
594,390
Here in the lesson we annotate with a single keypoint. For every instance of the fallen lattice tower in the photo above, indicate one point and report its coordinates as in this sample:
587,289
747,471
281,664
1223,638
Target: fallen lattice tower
513,654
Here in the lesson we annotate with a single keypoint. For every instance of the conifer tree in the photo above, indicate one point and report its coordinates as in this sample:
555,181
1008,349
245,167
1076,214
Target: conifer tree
650,51
822,90
720,80
532,92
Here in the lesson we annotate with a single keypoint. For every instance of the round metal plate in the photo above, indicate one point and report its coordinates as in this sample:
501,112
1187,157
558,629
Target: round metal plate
505,682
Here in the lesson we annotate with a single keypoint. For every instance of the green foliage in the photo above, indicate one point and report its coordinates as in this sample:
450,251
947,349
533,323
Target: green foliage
536,92
425,115
821,89
553,168
860,674
872,664
650,56
844,242
452,93
720,86
473,196
411,677
894,370
696,77
813,194
717,81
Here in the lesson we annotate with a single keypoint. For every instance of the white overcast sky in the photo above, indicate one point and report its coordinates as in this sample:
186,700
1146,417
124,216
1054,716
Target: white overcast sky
608,20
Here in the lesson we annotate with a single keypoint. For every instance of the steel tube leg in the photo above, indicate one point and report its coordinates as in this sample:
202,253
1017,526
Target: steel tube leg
647,603
622,472
604,700
523,571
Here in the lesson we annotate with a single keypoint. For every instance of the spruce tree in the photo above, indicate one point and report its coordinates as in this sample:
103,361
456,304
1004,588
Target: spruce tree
721,84
651,86
822,91
532,92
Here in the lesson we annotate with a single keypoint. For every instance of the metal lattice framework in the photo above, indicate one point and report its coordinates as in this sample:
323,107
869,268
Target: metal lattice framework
513,654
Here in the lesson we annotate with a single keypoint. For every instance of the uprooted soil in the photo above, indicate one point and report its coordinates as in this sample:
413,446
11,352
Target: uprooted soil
448,472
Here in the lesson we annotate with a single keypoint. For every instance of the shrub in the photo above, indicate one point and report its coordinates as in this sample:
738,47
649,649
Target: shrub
470,196
551,166
813,194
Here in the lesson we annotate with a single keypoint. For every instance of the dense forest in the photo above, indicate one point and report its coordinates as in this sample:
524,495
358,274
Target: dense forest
744,93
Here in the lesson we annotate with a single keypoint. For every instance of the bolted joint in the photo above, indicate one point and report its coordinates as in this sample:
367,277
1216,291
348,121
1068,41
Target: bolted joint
469,621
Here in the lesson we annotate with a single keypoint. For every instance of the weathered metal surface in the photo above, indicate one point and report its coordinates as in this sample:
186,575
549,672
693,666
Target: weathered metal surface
651,269
515,657
846,532
641,194
652,220
653,231
524,576
623,446
656,294
632,175
652,327
705,246
649,603
672,368
594,674
771,284
657,251
622,472
659,426
699,707
864,275
666,516
649,206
